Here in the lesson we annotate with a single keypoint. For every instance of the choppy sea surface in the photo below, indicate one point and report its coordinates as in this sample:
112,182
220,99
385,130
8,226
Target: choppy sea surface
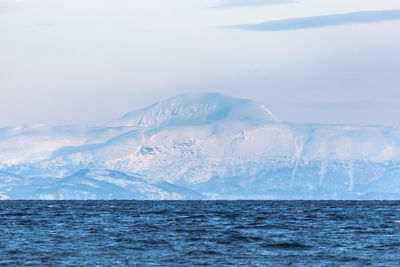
173,233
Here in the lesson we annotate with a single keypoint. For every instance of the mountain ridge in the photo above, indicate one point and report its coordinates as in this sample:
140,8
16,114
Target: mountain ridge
195,108
208,145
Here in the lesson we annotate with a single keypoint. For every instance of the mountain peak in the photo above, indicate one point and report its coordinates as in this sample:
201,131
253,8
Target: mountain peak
196,108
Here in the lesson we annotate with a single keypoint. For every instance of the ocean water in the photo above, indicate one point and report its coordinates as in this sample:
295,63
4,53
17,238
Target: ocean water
218,233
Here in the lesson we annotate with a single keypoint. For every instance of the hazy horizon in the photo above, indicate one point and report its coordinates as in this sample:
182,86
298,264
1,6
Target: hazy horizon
86,63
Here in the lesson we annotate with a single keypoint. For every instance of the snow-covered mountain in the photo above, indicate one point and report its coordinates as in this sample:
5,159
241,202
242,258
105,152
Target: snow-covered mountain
200,146
196,109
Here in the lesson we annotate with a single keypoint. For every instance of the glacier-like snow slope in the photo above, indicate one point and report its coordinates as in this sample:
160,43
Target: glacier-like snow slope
200,146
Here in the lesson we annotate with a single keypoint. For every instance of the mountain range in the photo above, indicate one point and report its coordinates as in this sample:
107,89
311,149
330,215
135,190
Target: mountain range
200,146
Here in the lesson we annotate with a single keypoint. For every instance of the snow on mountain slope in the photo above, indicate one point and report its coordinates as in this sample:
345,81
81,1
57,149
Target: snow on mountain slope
192,109
209,145
32,143
97,184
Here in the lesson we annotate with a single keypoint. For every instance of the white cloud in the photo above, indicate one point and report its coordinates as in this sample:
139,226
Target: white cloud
323,21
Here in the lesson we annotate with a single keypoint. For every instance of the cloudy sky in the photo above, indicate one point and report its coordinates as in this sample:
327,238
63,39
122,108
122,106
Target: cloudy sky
90,61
